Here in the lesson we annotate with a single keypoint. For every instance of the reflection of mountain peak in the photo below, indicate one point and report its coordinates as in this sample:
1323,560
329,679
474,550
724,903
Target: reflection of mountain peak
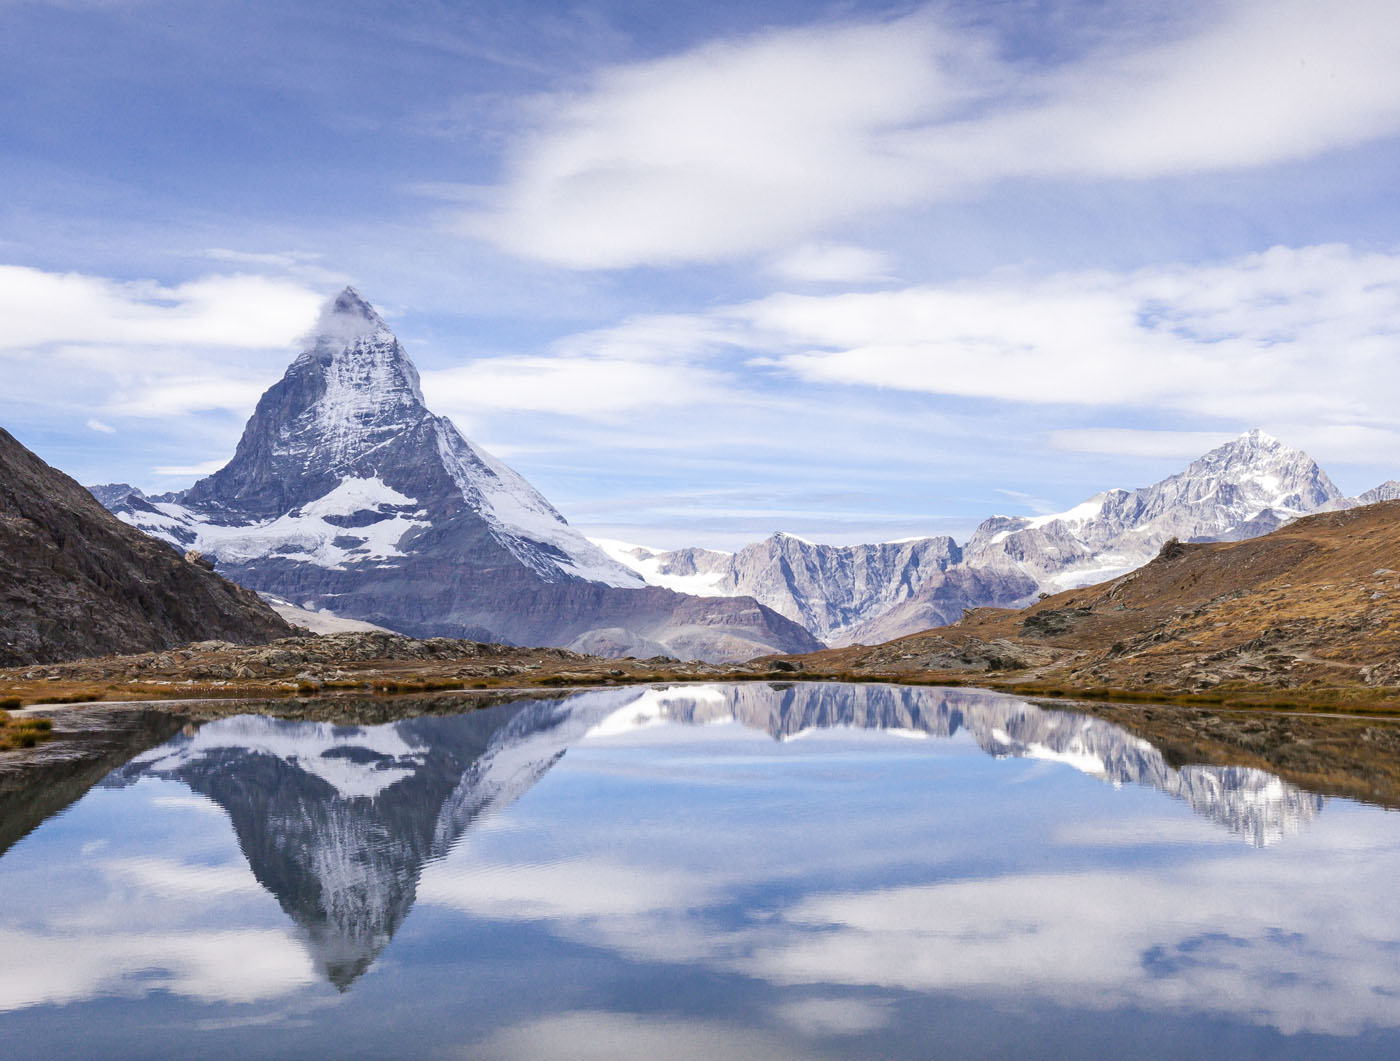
1251,803
337,821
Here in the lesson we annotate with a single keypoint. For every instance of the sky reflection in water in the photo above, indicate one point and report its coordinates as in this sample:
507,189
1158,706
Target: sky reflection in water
718,871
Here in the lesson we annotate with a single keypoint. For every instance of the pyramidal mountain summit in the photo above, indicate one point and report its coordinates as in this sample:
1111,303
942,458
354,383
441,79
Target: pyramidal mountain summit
346,494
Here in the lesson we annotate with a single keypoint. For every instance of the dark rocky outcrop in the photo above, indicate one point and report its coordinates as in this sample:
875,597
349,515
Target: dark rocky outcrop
75,581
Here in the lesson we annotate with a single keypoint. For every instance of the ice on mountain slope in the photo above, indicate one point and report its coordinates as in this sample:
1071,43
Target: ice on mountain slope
521,514
310,534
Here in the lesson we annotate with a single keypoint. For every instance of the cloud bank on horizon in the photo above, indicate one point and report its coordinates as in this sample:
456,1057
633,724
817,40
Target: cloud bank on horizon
856,277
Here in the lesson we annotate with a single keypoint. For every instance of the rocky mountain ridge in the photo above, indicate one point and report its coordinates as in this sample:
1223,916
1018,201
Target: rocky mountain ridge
75,581
1311,610
347,494
868,594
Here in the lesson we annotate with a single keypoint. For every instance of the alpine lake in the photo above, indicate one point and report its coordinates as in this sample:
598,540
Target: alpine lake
721,871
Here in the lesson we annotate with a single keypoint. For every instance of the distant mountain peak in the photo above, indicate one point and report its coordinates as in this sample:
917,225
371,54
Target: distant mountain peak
1253,445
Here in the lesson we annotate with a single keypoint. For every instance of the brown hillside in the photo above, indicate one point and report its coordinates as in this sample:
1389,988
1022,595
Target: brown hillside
1314,605
76,581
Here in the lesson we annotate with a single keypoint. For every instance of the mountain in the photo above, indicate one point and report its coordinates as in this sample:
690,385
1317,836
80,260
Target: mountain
1307,615
1247,487
109,494
347,494
75,581
829,589
873,593
1387,491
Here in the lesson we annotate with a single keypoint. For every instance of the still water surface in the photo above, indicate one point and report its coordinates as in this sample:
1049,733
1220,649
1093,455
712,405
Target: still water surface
723,871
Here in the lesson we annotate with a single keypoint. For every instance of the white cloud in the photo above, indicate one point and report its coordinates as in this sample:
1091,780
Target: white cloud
1301,341
1299,336
1131,442
833,263
93,424
238,311
730,148
743,146
143,349
600,387
584,1035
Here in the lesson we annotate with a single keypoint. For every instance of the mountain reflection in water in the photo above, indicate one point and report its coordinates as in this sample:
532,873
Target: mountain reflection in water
337,822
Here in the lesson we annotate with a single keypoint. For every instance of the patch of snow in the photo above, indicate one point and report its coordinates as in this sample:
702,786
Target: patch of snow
300,536
1080,513
357,494
705,584
1081,760
304,745
521,516
319,620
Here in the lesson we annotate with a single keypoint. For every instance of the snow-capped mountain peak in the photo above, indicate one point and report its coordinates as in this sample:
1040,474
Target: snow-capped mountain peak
1245,487
348,317
343,467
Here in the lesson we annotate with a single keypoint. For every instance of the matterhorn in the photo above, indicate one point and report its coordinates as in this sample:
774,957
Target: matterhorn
347,495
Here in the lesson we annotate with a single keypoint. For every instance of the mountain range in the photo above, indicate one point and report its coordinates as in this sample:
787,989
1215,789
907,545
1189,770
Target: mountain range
347,495
868,594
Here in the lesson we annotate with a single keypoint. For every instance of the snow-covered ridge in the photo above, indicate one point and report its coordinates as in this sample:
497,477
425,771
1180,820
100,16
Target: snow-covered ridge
651,566
522,516
1241,489
1246,487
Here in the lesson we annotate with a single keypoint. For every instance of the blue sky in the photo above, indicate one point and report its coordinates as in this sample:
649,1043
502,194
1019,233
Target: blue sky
705,271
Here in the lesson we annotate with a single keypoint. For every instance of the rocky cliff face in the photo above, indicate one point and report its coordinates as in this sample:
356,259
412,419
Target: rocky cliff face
1243,489
873,593
75,581
347,494
829,589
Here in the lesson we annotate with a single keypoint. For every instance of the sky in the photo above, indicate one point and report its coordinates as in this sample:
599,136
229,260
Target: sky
703,271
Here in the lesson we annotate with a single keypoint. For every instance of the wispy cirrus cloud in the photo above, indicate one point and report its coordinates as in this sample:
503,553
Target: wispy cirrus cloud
144,349
45,308
1300,340
741,147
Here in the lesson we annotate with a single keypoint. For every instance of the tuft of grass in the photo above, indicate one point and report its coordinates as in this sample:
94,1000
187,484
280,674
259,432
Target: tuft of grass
82,696
23,732
10,703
